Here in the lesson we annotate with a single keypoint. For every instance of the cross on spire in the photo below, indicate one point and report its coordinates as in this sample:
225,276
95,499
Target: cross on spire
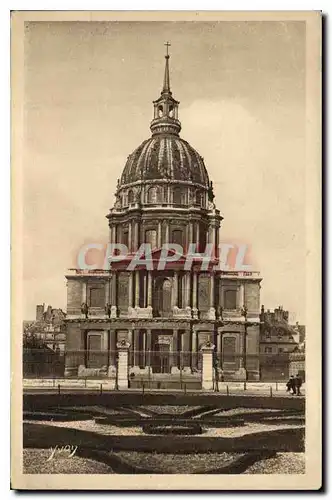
167,44
166,86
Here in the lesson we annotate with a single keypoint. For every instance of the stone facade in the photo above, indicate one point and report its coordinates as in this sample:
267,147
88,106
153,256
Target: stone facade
165,315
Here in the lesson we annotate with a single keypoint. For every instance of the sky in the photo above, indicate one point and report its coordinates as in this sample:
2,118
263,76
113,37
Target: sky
88,92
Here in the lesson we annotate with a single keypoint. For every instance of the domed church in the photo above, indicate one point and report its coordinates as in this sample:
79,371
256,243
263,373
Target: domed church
164,313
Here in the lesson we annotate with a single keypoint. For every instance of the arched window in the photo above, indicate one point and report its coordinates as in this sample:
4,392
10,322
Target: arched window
198,198
171,112
165,195
177,237
163,297
160,111
154,194
130,196
179,196
151,237
230,299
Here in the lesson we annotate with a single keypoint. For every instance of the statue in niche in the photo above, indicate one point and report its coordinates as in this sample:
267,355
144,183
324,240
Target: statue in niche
108,310
85,309
211,197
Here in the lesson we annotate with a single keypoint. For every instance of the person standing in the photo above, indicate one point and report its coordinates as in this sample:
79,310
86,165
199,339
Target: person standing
291,385
298,384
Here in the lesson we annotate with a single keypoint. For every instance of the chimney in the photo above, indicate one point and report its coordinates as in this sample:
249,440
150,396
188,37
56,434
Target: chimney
40,312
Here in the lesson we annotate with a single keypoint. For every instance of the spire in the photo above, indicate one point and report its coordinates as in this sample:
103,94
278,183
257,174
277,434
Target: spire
166,86
165,120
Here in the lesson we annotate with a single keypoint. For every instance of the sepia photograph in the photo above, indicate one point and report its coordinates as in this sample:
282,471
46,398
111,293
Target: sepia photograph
166,198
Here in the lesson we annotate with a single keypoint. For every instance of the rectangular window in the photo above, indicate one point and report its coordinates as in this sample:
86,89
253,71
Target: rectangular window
229,350
97,297
230,299
94,354
268,350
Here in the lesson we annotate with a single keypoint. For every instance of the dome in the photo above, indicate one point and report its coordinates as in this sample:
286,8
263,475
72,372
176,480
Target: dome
165,157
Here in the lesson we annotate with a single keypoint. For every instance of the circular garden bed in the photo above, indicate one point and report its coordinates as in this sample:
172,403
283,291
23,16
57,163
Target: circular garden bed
184,430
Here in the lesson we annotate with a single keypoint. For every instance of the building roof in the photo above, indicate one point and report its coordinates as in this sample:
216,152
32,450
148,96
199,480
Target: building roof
165,155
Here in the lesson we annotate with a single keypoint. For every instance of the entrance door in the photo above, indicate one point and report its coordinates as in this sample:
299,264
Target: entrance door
161,347
164,358
94,351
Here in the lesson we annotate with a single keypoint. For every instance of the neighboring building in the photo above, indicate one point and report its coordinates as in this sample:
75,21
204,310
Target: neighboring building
300,332
297,361
49,326
164,196
278,338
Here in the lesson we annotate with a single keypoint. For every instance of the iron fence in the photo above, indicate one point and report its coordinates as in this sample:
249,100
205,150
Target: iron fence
154,365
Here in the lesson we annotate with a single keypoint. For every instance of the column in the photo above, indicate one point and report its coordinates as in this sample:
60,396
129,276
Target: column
130,246
193,349
113,289
159,235
197,235
113,234
122,368
207,232
130,290
194,290
186,358
179,343
175,294
207,366
107,292
149,289
167,232
212,290
148,349
135,347
112,346
114,299
219,334
145,281
187,290
137,277
136,238
84,291
131,354
191,233
212,238
174,350
143,356
241,296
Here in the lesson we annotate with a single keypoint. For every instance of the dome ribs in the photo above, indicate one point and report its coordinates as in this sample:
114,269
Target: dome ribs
143,160
165,157
169,167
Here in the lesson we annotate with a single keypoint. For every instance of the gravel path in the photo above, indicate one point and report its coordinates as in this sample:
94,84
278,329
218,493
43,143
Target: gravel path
178,464
283,463
176,410
35,462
